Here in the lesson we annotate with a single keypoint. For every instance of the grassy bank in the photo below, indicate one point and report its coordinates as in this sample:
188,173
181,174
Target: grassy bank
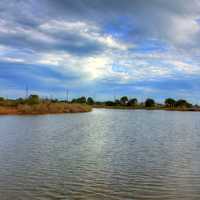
44,108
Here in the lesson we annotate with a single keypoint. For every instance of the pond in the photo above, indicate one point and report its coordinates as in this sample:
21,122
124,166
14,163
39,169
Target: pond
104,154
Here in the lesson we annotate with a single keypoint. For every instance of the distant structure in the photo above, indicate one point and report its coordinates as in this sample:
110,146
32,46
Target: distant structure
67,95
114,95
27,92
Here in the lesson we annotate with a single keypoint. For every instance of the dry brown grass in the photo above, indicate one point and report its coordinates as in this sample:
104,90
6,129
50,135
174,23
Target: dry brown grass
7,111
45,108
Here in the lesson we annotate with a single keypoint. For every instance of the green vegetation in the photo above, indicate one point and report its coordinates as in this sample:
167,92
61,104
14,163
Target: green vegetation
90,101
170,103
124,100
33,99
150,104
183,104
132,102
79,100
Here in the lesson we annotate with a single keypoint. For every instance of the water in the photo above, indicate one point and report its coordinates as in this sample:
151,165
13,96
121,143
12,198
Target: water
105,154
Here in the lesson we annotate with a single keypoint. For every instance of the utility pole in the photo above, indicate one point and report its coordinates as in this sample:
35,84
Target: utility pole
114,95
27,91
67,95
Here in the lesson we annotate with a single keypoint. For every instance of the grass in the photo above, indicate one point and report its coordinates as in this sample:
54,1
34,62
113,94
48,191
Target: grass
44,108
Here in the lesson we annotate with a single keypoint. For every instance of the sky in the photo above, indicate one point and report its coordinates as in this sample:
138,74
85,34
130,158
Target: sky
100,48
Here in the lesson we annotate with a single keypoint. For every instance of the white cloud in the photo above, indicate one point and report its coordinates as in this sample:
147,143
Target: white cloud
184,67
183,29
53,58
86,30
13,60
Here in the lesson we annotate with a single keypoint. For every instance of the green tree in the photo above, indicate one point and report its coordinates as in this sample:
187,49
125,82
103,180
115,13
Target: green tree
81,100
132,102
110,103
124,100
1,99
149,103
170,102
90,101
20,101
183,103
33,99
117,102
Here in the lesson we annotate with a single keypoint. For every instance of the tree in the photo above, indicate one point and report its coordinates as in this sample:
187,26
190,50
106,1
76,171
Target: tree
110,103
20,101
33,99
132,102
1,99
90,101
170,102
117,102
74,101
149,103
81,100
124,100
183,103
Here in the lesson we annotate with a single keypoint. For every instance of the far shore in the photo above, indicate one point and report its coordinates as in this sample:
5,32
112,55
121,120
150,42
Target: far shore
61,108
35,105
146,108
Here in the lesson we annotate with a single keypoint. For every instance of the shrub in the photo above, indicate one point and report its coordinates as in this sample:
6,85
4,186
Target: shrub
33,99
132,102
90,101
149,103
124,100
110,103
170,102
183,103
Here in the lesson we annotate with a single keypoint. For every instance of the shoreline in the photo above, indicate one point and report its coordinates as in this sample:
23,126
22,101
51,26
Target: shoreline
44,109
77,108
143,108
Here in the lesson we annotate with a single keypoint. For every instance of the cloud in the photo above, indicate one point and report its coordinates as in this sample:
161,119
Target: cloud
100,45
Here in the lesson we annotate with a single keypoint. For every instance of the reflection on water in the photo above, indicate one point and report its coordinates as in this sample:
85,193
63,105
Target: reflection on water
105,154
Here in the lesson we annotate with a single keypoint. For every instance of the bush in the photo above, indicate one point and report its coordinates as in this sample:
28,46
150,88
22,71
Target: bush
149,103
79,100
33,99
110,103
183,103
124,100
170,102
90,101
132,102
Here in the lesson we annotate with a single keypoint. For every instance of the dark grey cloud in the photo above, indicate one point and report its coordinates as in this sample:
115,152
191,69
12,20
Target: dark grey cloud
145,19
72,43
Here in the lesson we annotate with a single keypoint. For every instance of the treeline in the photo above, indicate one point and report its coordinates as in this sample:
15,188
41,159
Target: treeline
35,99
31,100
124,101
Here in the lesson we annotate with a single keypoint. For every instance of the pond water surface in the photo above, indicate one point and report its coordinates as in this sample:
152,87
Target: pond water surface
104,154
